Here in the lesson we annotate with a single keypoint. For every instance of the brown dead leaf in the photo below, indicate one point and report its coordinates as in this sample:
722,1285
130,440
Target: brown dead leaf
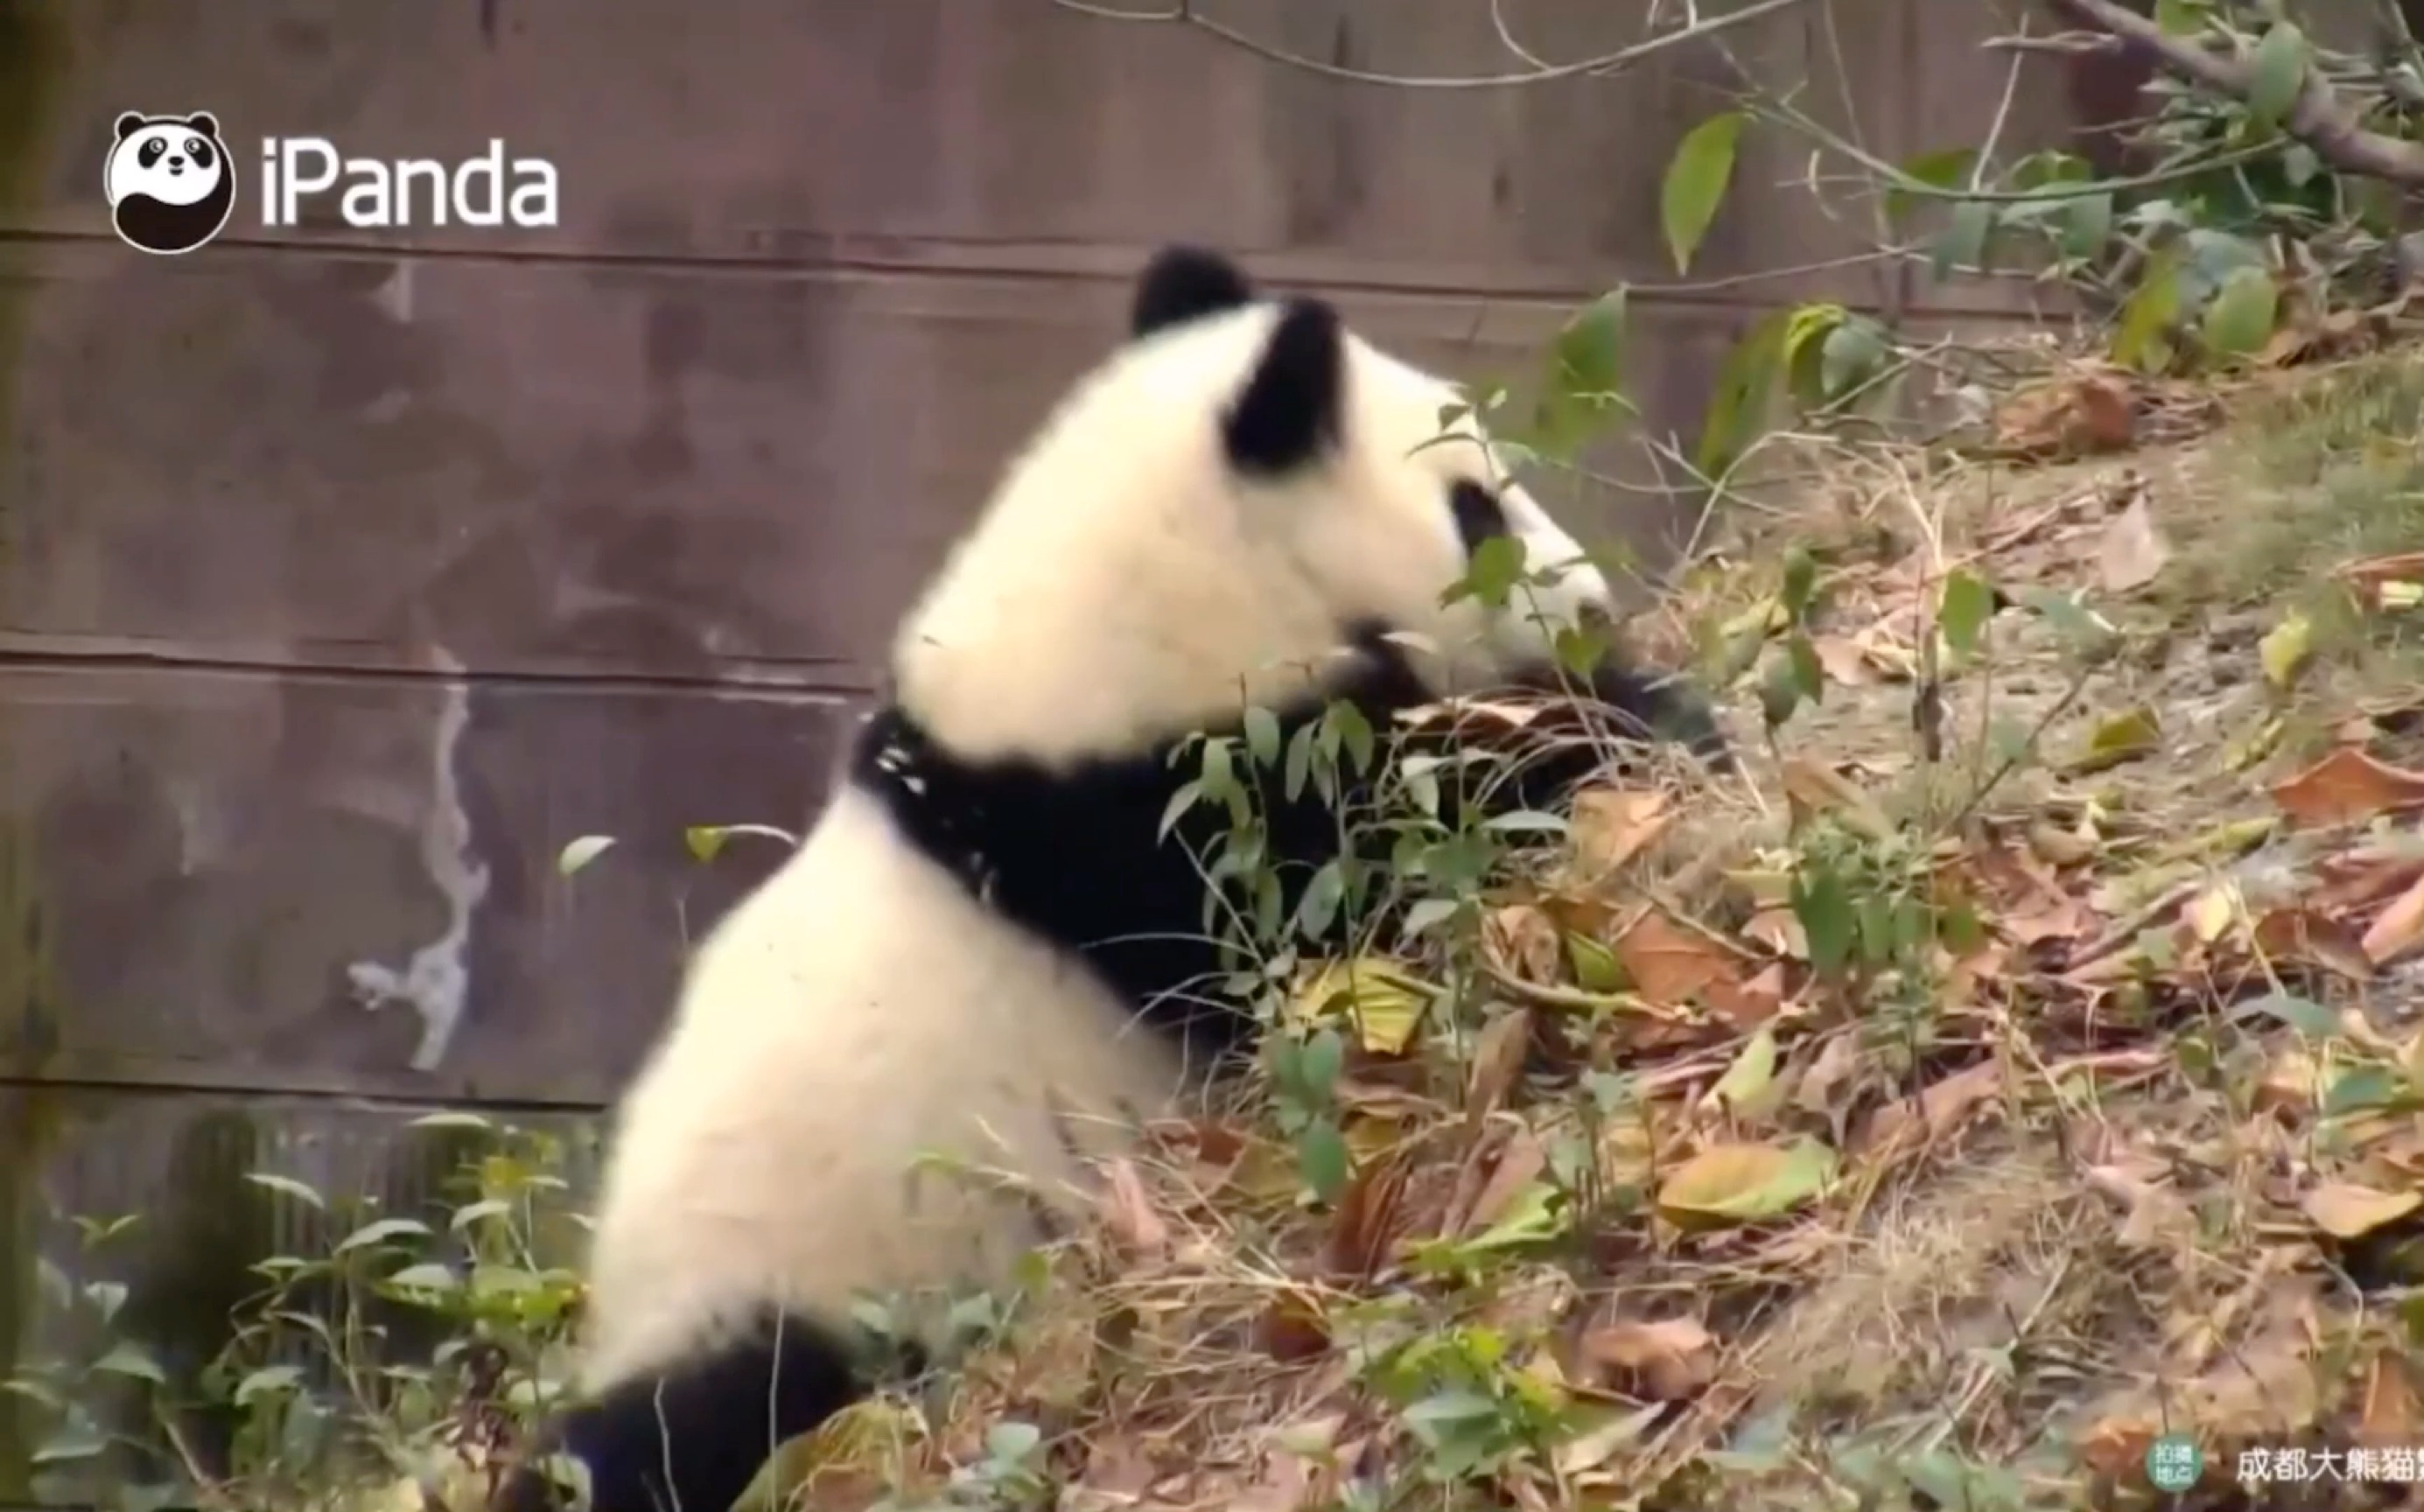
1814,788
2400,930
1844,660
2347,786
1781,930
2391,1415
2058,847
2157,1216
2306,936
2115,1448
1128,1213
2132,553
1293,1327
1669,964
2074,414
1367,1223
2345,1210
1745,1005
1669,1360
1837,1066
2363,878
1939,1112
1525,940
1520,1160
1118,1473
1498,1054
2291,1084
1612,825
2044,917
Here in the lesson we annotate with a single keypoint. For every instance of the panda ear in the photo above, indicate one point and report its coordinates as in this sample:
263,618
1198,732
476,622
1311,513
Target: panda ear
204,121
1288,414
129,123
1184,283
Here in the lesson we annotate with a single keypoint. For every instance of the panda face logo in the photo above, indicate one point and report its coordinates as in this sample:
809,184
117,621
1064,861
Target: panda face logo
171,186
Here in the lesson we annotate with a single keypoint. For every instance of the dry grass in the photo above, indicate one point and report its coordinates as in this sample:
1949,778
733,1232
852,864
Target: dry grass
2077,1193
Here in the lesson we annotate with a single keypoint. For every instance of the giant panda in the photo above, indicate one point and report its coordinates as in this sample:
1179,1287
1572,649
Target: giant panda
981,949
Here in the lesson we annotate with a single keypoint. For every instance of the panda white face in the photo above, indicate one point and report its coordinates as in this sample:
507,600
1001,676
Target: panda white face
1219,514
171,160
1407,508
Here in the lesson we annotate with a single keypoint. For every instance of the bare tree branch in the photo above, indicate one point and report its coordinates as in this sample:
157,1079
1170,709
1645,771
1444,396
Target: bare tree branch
1186,14
2319,118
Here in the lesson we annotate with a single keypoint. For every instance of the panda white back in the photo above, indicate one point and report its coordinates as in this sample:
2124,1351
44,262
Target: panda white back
983,948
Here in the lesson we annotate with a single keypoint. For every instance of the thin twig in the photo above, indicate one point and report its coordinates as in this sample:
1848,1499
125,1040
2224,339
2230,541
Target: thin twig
1184,14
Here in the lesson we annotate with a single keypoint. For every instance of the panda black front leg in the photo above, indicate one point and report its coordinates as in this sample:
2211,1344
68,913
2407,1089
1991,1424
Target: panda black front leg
693,1436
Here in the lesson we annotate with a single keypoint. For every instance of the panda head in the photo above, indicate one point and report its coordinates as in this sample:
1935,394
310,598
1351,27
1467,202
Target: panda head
169,183
1231,509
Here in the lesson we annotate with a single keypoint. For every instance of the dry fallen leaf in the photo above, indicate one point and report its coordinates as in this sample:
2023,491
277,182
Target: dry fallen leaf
1939,1110
1520,1160
2390,1416
1128,1214
1728,1185
2134,552
2156,1213
1367,1223
2071,416
1844,660
1524,940
1669,964
2308,935
1293,1327
2400,930
2347,1210
2346,786
1498,1053
1814,788
1612,825
1662,1361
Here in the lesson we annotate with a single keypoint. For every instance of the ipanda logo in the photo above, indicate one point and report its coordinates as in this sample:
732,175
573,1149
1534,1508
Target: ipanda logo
171,185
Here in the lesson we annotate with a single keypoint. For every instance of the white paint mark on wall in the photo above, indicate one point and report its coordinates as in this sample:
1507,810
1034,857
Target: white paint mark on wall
394,295
436,981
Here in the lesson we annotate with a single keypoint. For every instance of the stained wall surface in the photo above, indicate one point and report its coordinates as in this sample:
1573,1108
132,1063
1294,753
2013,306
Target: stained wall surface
346,575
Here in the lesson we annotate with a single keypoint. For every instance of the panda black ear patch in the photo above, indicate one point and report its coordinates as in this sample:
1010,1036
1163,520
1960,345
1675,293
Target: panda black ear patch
1288,413
1184,283
128,123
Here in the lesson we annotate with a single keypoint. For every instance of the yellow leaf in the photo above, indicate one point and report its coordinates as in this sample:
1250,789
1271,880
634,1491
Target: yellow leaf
2347,1210
2213,910
1752,1073
1729,1185
2123,738
2255,745
1595,966
1381,1000
2286,650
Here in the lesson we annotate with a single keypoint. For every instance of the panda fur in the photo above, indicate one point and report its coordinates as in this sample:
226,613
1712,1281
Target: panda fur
982,947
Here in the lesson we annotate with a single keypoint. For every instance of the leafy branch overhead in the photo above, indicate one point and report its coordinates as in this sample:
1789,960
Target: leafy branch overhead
2275,80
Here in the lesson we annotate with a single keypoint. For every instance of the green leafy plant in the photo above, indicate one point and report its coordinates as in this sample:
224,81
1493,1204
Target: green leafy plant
310,1390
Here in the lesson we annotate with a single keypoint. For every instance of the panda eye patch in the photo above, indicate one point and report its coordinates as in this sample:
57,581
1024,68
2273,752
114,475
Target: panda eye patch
1479,516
